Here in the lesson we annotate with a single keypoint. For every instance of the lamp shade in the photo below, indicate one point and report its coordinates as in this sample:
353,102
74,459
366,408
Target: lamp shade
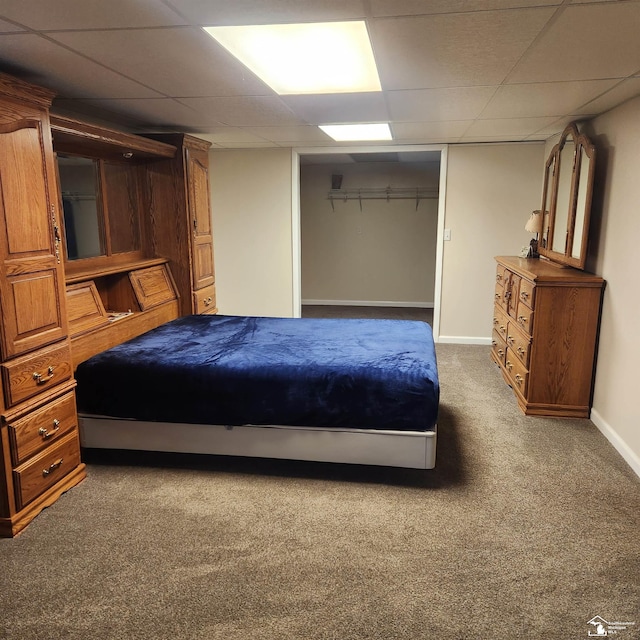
534,222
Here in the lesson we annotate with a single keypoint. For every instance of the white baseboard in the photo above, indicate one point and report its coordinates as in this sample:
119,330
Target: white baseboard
630,456
464,340
368,303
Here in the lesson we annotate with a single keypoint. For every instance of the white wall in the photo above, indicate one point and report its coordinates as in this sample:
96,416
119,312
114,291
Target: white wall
376,251
491,191
613,255
252,226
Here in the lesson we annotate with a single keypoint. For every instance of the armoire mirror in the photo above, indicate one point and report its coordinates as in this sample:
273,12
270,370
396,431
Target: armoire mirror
101,204
566,199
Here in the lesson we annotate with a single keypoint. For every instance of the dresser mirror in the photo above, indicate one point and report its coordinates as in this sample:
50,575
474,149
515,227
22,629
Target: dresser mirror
566,199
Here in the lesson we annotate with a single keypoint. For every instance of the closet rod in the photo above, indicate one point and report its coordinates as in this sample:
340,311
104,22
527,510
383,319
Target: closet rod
388,193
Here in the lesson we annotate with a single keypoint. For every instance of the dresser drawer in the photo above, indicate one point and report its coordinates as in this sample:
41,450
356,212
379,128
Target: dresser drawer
500,322
205,300
518,344
524,318
48,467
499,347
511,292
517,372
42,427
527,293
500,275
30,375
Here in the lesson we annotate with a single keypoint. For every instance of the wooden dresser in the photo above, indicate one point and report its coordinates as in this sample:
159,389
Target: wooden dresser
39,444
545,328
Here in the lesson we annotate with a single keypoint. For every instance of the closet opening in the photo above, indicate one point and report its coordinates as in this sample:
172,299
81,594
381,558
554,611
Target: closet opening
368,232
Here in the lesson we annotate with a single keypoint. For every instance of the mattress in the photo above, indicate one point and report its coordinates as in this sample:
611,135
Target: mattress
244,370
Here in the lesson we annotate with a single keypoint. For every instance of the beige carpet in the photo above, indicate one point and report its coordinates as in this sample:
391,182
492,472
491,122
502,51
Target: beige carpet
527,528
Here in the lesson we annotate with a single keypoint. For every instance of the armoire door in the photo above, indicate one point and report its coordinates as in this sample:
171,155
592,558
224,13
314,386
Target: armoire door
200,214
31,274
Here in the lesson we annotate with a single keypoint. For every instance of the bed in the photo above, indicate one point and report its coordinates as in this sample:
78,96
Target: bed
333,390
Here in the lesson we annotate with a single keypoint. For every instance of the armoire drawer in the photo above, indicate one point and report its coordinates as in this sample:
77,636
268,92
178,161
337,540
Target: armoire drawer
44,470
42,427
205,300
30,375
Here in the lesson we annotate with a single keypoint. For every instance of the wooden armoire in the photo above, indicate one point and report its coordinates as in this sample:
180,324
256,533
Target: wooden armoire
39,443
60,305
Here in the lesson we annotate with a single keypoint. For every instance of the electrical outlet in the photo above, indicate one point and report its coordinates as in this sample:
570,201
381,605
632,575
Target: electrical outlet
447,234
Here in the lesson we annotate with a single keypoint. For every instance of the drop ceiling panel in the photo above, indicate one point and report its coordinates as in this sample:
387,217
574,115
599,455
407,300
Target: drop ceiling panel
7,27
290,135
461,103
223,136
415,132
339,108
237,12
151,113
622,92
244,111
586,42
544,99
553,129
46,63
89,14
420,7
179,61
512,128
470,49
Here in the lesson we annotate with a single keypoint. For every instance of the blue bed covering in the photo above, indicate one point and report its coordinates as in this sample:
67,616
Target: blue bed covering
237,370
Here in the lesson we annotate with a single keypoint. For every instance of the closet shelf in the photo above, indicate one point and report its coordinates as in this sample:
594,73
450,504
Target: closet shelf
386,193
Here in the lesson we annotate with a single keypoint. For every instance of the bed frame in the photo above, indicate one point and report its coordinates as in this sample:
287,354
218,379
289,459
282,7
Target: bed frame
408,449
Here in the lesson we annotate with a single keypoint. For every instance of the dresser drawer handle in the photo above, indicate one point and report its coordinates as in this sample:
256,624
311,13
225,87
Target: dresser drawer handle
524,295
509,365
40,380
53,467
498,277
520,350
519,379
510,340
522,319
208,301
498,296
45,433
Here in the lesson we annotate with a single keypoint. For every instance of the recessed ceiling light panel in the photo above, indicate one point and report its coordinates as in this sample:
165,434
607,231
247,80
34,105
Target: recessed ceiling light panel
359,132
323,57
